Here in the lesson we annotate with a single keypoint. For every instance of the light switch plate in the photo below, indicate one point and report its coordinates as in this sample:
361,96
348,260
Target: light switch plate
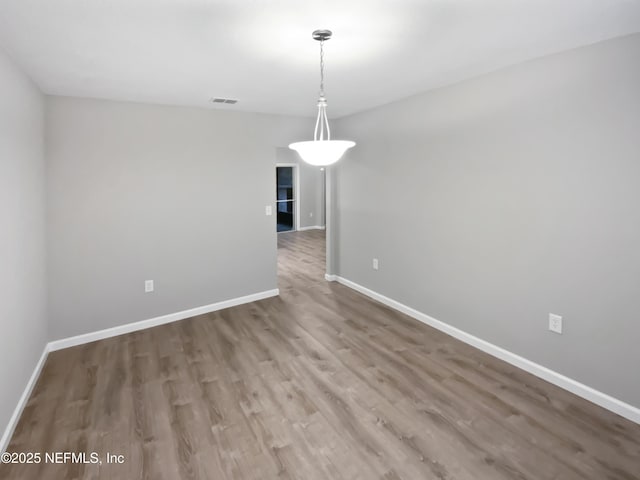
555,323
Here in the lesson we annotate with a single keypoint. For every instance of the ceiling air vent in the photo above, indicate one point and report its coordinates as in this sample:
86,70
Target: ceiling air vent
229,101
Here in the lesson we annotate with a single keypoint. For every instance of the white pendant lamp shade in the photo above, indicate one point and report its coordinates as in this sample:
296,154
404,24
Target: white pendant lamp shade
322,151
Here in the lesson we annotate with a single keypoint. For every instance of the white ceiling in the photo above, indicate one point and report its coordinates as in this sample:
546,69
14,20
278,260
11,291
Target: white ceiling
184,52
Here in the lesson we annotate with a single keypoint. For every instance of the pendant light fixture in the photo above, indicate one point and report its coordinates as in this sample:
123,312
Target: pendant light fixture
322,150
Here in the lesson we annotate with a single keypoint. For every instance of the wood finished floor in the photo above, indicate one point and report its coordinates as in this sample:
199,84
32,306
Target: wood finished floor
319,383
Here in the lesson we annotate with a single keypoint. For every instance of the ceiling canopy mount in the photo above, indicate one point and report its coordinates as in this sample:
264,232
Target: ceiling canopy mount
322,35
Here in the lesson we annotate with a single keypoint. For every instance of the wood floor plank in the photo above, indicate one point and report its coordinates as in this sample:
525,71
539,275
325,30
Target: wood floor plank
318,383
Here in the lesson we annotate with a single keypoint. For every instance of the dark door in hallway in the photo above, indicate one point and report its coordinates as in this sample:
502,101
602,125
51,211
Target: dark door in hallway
285,200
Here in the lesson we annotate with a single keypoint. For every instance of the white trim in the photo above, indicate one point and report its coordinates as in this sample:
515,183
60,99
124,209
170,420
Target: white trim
599,398
153,322
17,412
112,332
329,221
331,278
313,227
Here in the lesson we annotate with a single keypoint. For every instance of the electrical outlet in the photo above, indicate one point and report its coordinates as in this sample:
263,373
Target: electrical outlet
268,210
555,323
148,286
375,264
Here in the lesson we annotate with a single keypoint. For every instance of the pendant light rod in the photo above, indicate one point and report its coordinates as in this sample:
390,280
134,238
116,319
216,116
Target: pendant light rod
322,36
322,122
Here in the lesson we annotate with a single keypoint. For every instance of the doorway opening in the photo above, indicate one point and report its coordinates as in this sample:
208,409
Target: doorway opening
303,214
286,197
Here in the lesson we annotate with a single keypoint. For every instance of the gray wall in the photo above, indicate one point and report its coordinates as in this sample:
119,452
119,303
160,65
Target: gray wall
496,201
172,194
22,263
311,195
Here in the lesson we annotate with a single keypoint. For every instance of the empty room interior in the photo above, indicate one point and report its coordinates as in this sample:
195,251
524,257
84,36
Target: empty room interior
251,239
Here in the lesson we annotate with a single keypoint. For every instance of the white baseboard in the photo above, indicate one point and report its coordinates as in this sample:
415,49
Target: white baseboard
154,322
17,412
599,398
113,332
330,278
313,227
